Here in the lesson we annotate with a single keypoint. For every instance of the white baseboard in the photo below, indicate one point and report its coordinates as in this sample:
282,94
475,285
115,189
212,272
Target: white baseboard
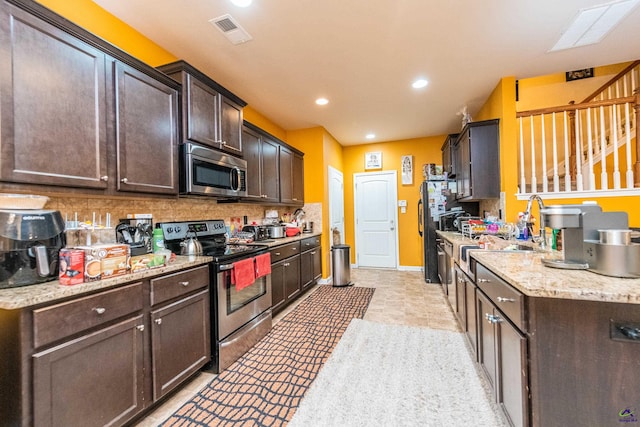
410,268
326,281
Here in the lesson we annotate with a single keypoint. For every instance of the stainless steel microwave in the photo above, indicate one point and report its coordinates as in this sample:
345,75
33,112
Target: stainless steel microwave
207,172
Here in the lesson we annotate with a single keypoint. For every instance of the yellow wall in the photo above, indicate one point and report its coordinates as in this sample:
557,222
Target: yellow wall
321,150
95,19
501,105
423,150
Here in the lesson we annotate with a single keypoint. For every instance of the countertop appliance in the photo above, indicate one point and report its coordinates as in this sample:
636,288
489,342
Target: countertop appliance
29,244
207,172
137,233
259,231
239,317
593,240
435,202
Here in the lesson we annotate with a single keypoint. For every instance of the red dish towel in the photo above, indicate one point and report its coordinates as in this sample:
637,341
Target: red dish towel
263,265
244,273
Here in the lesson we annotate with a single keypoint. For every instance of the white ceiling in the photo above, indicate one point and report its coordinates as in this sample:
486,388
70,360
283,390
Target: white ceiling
363,55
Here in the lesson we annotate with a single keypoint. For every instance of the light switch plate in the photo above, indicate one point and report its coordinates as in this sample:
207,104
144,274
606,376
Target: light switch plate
402,203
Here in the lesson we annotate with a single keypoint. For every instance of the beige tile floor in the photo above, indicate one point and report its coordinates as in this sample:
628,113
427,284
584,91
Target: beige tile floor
401,297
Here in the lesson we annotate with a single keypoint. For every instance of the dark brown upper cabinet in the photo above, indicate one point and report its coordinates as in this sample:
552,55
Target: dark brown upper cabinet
78,113
476,155
261,153
211,115
291,177
53,105
147,134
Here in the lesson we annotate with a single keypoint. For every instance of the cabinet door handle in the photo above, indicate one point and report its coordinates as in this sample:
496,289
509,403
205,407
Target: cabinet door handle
277,253
483,280
502,299
158,321
185,283
492,318
124,180
140,328
313,252
99,310
104,178
294,249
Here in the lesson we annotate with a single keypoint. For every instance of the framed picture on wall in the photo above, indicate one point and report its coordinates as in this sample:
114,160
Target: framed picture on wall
407,170
373,160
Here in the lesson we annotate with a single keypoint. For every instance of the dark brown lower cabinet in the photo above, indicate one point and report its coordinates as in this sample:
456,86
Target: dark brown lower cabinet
285,281
502,354
181,325
471,316
310,262
461,290
106,357
96,379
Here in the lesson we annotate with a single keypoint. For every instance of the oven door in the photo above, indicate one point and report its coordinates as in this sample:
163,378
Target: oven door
238,307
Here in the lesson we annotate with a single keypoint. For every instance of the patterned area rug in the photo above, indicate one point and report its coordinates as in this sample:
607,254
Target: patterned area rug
265,386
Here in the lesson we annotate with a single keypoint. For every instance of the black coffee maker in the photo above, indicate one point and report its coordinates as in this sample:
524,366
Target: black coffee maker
30,241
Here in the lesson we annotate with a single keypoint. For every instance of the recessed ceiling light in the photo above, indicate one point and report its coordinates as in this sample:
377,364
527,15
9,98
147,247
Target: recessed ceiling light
420,83
592,24
322,101
370,135
241,3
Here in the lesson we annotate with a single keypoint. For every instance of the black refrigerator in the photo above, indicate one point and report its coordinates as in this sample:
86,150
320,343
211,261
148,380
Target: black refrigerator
437,197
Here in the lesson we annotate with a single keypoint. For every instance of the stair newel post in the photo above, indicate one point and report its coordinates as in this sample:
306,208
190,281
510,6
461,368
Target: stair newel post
636,166
572,140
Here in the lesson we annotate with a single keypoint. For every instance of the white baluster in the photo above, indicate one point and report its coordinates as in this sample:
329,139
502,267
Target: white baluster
592,175
534,182
545,179
579,183
627,131
604,178
523,180
556,178
567,171
616,161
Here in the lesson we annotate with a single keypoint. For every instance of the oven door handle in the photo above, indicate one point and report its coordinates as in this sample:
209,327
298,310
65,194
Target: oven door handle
225,267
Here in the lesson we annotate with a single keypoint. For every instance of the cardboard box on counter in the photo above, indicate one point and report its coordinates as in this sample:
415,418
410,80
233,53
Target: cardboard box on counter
71,266
105,261
146,262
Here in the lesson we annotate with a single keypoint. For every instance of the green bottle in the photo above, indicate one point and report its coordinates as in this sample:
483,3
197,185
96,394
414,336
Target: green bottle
158,240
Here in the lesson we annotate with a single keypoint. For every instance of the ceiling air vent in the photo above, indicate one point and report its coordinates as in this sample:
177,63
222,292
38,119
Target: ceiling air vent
231,29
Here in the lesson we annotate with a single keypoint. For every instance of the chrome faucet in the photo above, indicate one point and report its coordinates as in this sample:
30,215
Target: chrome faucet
527,219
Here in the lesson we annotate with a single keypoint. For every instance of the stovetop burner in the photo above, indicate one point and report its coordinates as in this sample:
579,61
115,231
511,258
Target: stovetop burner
211,234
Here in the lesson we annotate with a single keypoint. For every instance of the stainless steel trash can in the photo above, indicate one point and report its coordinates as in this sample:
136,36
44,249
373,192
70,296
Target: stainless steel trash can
341,265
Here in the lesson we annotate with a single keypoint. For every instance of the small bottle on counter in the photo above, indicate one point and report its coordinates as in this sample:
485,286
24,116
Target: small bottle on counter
158,240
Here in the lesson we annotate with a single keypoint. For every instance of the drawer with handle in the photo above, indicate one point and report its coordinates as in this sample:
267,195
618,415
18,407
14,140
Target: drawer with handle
284,251
68,318
508,299
174,285
309,243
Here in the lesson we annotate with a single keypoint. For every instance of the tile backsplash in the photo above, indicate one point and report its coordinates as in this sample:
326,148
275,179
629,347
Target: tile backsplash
163,210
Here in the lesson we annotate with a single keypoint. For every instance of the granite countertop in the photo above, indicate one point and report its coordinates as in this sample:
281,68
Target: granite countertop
525,272
283,241
26,296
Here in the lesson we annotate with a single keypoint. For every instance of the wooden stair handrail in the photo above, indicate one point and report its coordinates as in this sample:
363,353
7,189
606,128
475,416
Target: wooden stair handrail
612,81
581,106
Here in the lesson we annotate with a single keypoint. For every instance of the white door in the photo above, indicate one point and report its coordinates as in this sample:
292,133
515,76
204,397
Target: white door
336,204
376,218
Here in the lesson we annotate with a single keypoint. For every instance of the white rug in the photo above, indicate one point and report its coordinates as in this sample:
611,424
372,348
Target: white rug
389,375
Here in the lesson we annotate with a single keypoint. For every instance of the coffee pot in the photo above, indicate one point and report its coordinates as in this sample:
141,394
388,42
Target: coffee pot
191,246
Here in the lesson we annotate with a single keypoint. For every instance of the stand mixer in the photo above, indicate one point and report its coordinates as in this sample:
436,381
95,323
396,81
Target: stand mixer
588,243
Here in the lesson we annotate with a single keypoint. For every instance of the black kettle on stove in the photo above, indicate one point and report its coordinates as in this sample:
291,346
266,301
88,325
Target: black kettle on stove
30,241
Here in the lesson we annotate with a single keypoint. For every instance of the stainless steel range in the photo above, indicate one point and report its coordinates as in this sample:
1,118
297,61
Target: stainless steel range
240,316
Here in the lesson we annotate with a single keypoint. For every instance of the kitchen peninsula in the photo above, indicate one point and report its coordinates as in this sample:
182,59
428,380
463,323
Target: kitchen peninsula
559,347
